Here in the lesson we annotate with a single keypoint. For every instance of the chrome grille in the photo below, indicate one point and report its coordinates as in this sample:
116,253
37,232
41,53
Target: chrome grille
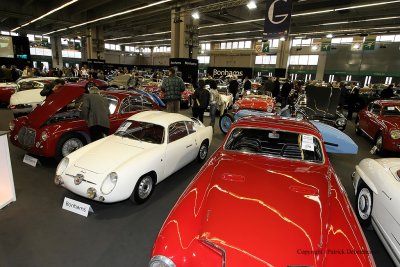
26,137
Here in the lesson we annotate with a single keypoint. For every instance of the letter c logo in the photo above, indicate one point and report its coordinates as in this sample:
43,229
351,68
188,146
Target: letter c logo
271,13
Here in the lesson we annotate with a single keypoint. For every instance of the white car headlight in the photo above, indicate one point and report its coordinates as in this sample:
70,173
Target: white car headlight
11,125
341,122
161,261
109,183
62,166
44,136
395,134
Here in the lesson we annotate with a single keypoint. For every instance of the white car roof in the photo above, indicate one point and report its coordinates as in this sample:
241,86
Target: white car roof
159,117
8,85
38,79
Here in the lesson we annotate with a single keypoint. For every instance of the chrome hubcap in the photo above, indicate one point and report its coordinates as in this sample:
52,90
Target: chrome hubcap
203,152
71,145
364,204
226,123
145,187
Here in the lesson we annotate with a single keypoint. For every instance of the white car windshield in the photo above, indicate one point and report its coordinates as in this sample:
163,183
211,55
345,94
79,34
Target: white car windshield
275,143
142,131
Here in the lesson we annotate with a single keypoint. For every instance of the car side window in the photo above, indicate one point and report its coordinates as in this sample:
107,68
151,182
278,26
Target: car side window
376,109
112,103
177,131
370,105
124,106
190,126
146,102
131,103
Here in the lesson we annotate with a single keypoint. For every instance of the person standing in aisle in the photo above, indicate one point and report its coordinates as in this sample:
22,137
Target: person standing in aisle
95,112
201,98
173,86
387,92
277,87
352,101
286,88
233,87
246,85
215,101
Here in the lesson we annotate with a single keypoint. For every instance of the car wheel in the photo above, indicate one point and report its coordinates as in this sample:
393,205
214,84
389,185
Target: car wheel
225,122
357,127
379,145
143,189
364,202
68,144
203,152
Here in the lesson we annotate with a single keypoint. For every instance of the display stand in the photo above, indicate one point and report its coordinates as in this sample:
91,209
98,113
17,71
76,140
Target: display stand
7,190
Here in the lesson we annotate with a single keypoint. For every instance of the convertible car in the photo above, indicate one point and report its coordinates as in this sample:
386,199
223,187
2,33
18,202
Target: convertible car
267,197
380,121
55,128
264,103
150,145
320,103
377,188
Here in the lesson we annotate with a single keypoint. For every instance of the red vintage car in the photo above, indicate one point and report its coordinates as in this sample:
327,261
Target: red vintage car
267,197
380,121
55,128
6,90
251,102
186,99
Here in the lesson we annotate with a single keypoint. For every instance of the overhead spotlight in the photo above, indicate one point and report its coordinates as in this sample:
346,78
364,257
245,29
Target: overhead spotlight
251,4
196,14
314,47
282,38
356,46
329,35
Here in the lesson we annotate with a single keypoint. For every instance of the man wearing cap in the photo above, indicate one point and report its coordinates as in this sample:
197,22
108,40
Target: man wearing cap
95,112
173,86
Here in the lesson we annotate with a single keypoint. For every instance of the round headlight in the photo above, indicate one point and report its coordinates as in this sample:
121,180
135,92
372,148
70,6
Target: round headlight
161,261
91,193
11,125
44,136
341,122
269,109
235,107
299,116
109,183
395,134
62,166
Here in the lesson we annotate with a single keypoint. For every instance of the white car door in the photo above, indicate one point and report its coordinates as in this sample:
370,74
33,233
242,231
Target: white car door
179,147
389,215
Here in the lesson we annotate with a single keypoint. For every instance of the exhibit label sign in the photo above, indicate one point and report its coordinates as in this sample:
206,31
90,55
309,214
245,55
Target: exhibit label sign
30,160
277,18
76,207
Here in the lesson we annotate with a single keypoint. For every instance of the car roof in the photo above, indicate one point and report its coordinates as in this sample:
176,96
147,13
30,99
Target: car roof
388,102
279,123
159,117
38,79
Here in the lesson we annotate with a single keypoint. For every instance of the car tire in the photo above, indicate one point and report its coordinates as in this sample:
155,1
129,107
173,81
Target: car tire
203,151
379,144
364,203
357,127
143,189
225,122
68,143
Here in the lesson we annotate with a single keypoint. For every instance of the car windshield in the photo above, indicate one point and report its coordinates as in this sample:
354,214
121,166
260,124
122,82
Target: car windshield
28,85
391,111
142,131
275,143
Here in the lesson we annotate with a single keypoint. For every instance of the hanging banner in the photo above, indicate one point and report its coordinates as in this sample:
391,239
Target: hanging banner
265,47
277,18
326,44
369,43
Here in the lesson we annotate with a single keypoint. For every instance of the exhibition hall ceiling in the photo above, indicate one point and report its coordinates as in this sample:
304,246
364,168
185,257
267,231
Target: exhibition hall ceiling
139,21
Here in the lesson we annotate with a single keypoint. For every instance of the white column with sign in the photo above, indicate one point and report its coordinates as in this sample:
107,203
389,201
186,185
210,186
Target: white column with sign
7,190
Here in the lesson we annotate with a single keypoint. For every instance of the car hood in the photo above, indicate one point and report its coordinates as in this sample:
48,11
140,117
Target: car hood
26,97
322,101
61,97
123,149
393,122
286,207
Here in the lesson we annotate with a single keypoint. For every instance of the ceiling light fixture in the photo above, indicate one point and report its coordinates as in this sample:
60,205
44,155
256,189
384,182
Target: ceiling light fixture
252,4
127,37
282,38
329,35
45,15
196,14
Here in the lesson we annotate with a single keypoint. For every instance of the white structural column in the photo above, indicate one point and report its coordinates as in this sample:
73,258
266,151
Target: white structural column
283,53
182,33
95,43
57,60
321,66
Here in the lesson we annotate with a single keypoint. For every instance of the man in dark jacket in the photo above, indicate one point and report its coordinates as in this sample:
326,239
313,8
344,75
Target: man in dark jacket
277,87
247,84
387,92
49,87
286,88
201,98
233,87
95,112
173,86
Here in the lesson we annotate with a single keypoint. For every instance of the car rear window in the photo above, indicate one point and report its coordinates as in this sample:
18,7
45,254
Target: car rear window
275,143
391,111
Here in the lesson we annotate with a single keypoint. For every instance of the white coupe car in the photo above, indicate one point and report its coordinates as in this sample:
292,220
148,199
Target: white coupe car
147,148
377,188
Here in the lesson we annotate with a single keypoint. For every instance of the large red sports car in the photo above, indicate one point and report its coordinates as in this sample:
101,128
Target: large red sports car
380,121
55,128
267,197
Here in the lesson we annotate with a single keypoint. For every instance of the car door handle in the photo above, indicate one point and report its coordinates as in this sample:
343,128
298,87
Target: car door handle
386,195
189,146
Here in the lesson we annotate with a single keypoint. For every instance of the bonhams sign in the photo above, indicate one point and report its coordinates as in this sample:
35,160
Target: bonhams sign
229,71
277,18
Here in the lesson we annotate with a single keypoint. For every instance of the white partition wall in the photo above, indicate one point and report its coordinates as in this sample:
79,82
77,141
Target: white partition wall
7,190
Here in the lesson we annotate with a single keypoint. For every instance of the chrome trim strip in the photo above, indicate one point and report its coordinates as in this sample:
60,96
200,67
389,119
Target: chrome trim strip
218,248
